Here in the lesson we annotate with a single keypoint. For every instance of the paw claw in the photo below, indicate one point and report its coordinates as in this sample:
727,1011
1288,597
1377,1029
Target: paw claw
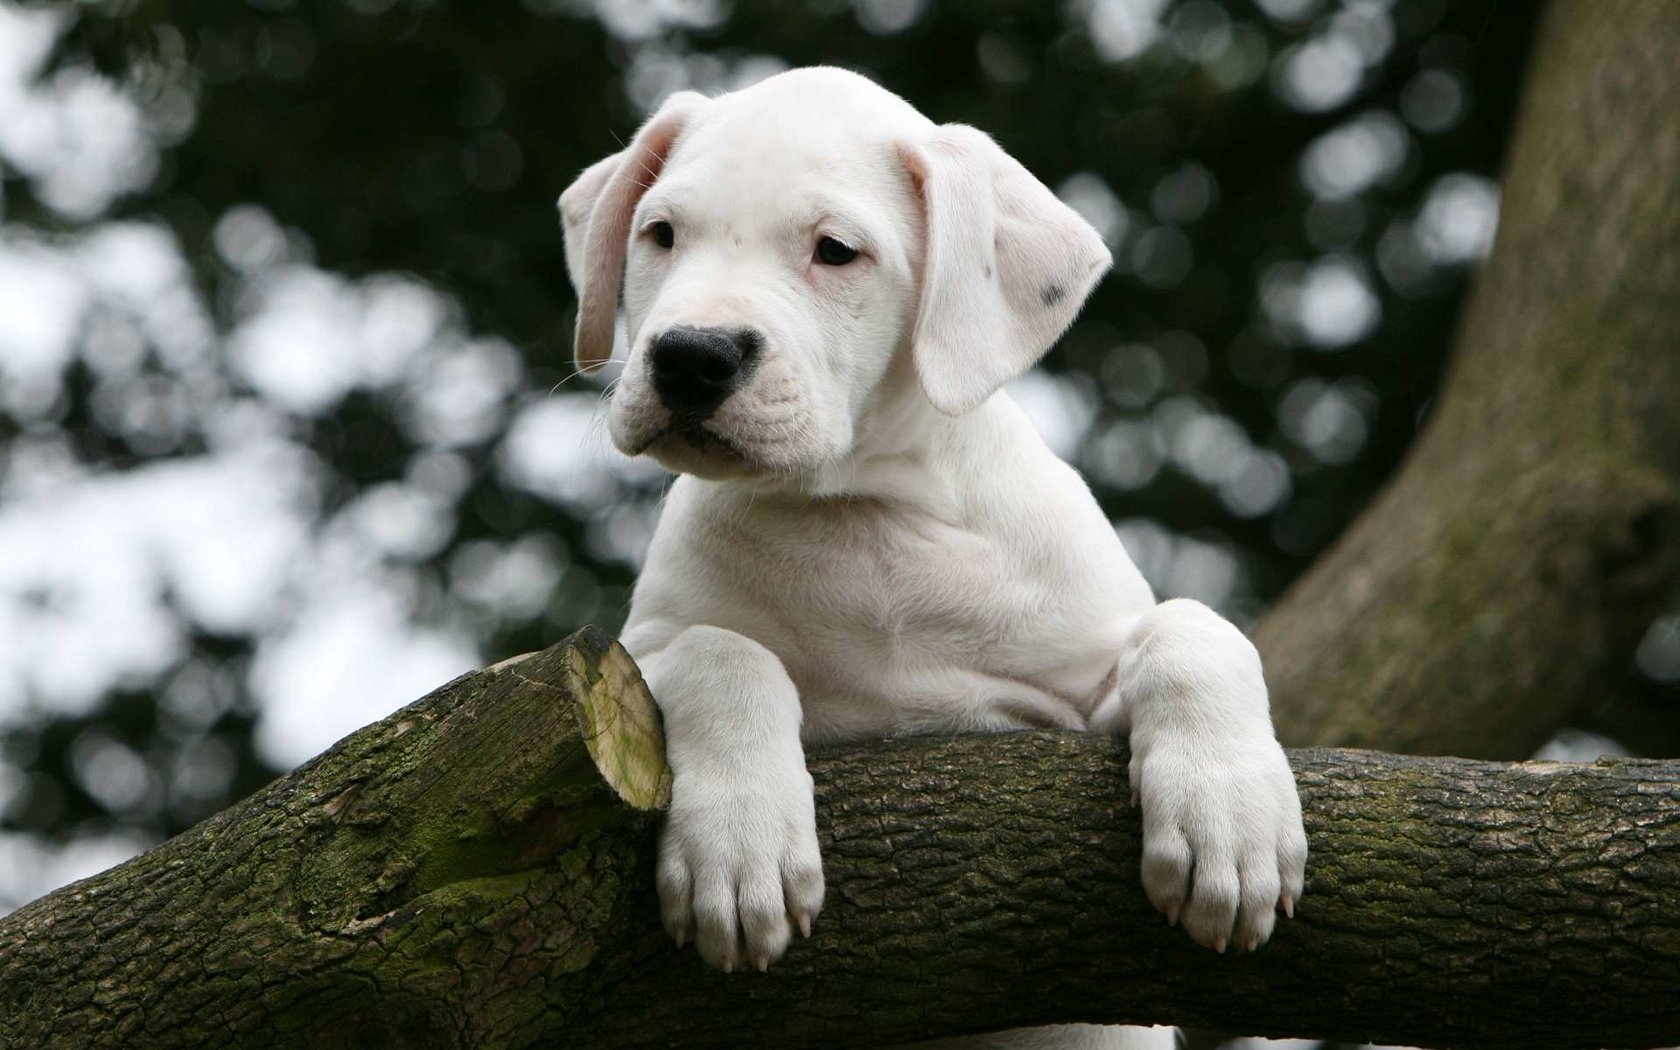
738,869
1223,850
805,926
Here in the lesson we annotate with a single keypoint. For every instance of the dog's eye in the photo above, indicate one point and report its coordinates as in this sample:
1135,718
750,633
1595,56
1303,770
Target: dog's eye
664,235
831,252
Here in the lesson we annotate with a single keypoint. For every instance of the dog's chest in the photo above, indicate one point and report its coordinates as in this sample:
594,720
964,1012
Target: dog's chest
866,604
883,575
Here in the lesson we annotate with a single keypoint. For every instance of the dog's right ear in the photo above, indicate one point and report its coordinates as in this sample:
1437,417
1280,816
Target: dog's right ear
595,213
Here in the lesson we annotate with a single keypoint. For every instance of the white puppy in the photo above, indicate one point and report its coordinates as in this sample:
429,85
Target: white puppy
824,293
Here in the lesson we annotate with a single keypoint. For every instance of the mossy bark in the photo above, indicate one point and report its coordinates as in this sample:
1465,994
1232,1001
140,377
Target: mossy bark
1503,578
462,875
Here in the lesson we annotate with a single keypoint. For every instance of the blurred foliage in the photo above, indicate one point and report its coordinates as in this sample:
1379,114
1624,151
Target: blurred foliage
430,137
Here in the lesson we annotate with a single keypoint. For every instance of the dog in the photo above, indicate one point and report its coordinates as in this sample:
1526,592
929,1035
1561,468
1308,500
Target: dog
824,293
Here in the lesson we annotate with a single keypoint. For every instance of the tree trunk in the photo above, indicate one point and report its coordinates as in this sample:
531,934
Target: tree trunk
459,875
1504,576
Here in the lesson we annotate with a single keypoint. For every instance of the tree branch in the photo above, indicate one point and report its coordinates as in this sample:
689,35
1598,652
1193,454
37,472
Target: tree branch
461,875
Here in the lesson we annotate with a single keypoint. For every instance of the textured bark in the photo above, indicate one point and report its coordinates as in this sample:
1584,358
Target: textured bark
1502,579
459,875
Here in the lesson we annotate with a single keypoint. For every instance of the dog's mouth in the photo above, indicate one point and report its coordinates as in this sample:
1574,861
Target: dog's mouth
695,434
688,446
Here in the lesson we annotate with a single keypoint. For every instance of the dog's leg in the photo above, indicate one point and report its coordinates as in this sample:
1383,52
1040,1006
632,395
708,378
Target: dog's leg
1223,844
738,860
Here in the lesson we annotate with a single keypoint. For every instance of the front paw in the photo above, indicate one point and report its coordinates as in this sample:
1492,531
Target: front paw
1223,842
739,865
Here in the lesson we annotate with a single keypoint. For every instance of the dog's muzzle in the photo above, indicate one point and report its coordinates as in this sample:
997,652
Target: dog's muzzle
694,370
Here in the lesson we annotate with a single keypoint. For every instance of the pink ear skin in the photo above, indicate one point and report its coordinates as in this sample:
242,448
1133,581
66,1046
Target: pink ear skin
596,211
1007,266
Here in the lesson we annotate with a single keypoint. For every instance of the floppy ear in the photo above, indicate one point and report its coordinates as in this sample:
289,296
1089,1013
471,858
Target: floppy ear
576,204
1006,269
595,212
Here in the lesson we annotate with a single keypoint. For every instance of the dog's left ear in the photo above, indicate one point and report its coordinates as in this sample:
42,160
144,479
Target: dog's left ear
1006,269
595,213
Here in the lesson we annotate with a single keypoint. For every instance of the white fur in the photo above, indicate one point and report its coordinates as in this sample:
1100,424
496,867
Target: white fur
878,542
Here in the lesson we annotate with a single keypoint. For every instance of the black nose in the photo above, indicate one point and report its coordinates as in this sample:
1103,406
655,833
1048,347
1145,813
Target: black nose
696,369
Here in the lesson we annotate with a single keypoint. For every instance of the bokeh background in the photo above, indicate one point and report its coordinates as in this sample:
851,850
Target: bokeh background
288,433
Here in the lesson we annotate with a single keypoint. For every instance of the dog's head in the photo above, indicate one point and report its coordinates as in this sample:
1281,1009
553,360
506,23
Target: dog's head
792,253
